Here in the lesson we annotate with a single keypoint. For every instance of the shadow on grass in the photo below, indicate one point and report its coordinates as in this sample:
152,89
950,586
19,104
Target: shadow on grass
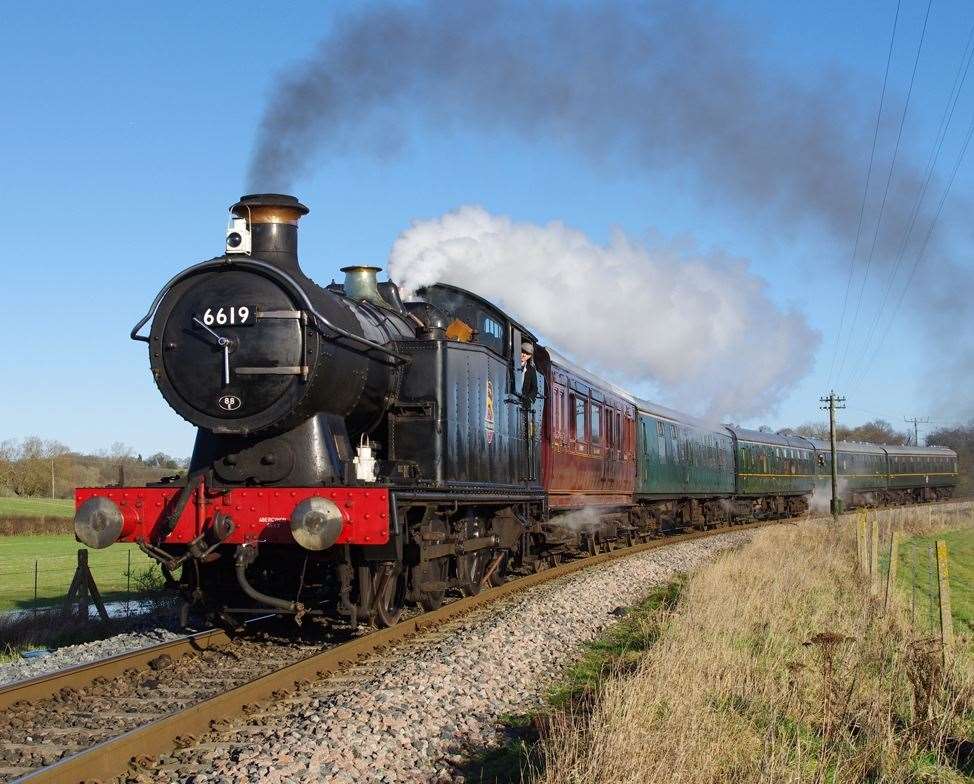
53,603
52,627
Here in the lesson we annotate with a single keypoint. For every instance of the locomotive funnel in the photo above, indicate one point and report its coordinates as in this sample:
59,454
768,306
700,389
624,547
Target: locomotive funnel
273,221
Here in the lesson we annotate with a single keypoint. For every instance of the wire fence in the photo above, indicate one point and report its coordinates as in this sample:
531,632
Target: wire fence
919,558
42,583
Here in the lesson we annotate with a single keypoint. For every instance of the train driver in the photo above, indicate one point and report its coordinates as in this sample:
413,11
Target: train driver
529,375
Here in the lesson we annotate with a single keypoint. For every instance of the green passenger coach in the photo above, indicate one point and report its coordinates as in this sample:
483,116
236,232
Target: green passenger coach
778,468
681,457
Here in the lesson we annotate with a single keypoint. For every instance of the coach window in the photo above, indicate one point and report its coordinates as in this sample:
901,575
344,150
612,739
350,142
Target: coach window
660,442
578,430
595,431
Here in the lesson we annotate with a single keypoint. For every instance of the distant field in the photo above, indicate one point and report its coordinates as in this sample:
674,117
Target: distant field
56,558
919,586
36,507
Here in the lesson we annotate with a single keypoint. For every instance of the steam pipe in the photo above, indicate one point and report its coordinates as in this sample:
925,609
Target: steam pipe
242,559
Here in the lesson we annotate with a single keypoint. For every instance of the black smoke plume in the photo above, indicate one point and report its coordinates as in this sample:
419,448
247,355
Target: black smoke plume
661,85
655,86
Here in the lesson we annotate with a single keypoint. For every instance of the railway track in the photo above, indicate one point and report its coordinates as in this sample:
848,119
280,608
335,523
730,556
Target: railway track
52,717
112,718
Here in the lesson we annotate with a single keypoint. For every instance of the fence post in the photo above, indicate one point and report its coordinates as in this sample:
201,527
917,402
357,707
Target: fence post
83,590
128,583
35,587
894,557
946,617
913,586
874,557
861,540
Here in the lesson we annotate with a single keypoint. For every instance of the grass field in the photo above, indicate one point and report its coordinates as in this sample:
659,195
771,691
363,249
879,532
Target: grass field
56,558
36,507
918,582
772,665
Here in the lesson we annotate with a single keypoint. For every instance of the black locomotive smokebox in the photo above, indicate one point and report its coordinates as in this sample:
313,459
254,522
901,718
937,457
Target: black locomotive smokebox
230,350
245,343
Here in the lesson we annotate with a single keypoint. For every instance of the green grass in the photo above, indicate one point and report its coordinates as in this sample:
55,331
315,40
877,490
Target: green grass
618,648
919,586
36,507
621,645
56,558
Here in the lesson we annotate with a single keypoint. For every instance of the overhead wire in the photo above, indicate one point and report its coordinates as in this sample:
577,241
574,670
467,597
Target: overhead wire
889,180
963,68
923,250
865,191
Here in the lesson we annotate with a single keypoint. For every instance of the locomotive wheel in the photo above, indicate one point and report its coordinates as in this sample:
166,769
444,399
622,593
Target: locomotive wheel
436,570
471,570
389,605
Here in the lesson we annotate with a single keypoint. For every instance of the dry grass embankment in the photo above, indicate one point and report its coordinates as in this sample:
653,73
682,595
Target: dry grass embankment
777,666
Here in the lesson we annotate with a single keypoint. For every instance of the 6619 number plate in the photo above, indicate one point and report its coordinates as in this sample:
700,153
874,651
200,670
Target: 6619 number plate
230,316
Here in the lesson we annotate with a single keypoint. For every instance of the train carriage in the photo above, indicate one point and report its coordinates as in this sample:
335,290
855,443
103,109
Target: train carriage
861,471
772,464
681,456
919,473
589,427
875,474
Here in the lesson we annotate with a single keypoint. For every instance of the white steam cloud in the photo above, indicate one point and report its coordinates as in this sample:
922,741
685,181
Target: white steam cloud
701,326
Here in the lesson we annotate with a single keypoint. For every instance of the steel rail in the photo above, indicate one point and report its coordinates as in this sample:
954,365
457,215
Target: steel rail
45,687
128,752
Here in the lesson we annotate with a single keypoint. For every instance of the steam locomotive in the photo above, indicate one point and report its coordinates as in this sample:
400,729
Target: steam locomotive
356,453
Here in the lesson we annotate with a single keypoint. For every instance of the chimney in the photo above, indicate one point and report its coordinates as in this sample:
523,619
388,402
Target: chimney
273,221
361,284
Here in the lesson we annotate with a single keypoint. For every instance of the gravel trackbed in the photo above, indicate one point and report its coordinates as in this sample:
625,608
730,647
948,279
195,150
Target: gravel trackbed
410,713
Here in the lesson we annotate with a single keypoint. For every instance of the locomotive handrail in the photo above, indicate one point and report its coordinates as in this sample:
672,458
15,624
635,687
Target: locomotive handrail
226,260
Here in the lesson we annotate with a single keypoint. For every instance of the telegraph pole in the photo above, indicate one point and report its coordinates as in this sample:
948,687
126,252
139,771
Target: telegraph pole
833,402
916,430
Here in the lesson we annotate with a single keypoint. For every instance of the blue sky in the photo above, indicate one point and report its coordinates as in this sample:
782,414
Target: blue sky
126,133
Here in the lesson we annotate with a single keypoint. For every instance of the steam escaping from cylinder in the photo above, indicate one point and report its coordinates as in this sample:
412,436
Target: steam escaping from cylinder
700,325
585,519
821,498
